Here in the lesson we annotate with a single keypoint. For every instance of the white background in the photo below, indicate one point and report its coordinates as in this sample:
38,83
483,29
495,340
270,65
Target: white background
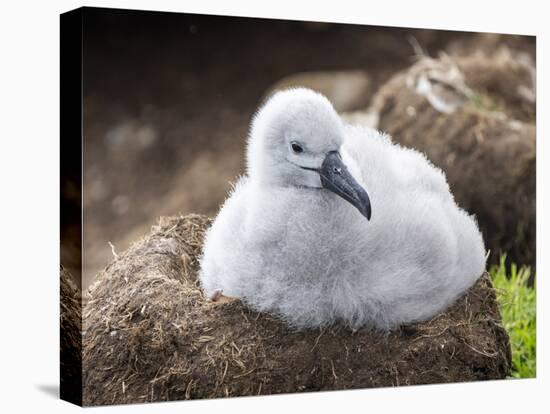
29,207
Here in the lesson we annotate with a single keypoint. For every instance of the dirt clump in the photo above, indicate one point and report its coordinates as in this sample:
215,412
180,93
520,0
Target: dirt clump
151,335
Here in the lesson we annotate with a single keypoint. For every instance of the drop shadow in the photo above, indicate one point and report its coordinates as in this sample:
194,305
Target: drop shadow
49,389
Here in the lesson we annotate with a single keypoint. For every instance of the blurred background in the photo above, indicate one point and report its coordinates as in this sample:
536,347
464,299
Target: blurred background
168,99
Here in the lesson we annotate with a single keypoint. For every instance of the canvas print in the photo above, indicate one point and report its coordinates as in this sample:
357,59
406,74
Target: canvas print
257,206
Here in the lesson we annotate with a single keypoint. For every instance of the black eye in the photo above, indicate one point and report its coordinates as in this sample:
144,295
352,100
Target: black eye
297,148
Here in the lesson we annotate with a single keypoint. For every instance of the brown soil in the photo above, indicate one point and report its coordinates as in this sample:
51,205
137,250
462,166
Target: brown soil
150,335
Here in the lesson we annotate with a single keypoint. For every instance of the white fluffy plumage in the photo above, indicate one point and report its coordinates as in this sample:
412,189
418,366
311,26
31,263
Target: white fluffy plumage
285,244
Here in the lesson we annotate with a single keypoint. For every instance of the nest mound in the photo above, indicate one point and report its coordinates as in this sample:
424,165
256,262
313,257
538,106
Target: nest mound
70,387
150,335
474,117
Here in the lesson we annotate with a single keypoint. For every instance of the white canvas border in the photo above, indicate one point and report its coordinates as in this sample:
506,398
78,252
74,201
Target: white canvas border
29,168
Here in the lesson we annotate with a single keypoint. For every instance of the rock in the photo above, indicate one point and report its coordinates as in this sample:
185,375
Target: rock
347,90
150,335
361,118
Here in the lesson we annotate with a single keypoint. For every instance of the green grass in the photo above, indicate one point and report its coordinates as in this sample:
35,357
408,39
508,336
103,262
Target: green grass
518,307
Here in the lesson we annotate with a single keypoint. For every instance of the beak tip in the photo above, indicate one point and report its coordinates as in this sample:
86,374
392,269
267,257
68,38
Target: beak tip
368,214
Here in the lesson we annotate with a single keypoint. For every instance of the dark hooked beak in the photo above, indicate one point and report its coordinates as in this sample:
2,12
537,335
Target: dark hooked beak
336,178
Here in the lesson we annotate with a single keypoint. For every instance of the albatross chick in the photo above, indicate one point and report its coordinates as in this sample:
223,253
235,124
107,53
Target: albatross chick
334,223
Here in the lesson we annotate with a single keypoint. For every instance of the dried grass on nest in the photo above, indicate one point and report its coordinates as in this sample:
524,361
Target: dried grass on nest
150,335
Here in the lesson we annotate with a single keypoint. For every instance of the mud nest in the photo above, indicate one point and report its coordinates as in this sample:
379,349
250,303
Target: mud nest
70,387
474,117
150,335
